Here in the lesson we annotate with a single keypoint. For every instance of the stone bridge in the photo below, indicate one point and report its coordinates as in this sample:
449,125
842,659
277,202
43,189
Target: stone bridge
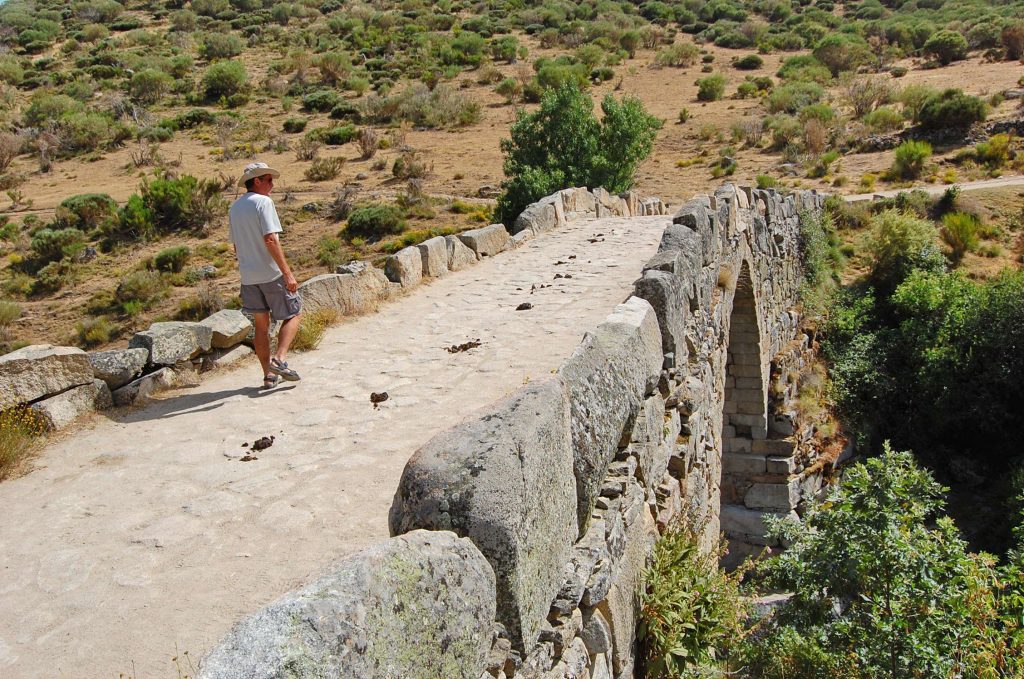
521,531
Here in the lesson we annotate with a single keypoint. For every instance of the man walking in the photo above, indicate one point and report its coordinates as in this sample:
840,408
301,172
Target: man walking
268,287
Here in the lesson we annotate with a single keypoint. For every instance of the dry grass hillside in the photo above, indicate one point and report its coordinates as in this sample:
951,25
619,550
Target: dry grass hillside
454,167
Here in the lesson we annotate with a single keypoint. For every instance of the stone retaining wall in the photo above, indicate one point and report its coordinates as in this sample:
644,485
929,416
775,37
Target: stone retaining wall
562,487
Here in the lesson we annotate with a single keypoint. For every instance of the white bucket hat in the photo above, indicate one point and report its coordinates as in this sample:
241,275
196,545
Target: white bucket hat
253,170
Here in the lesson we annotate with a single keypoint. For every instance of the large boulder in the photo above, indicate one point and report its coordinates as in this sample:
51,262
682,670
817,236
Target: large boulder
487,241
434,253
229,327
351,294
32,372
173,341
459,255
61,410
418,605
504,480
670,297
405,267
609,375
118,367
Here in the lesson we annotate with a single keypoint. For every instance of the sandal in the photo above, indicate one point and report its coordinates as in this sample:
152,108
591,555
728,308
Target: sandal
271,381
279,367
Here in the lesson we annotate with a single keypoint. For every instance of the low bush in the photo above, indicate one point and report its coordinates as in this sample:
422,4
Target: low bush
92,332
679,55
320,101
791,97
224,79
883,119
53,245
910,158
899,244
220,46
166,206
375,221
750,62
337,135
711,88
148,86
324,169
294,125
140,290
86,211
951,109
946,47
442,107
328,252
20,432
690,611
993,153
960,232
172,259
312,327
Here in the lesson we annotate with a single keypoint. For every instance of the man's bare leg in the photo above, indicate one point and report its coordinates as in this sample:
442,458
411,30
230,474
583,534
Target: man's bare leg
261,340
285,336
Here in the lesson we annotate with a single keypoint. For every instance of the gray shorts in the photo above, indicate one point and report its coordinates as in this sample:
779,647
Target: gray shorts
272,297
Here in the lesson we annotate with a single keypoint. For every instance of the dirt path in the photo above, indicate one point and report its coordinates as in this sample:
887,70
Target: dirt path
937,189
144,535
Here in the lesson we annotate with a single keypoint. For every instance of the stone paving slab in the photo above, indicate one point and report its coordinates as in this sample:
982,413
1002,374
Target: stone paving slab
144,535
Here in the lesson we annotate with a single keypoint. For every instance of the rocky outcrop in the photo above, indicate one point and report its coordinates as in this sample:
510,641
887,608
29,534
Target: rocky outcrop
434,254
350,293
418,605
61,410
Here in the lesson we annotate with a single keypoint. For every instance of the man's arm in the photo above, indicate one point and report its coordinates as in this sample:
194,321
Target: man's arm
277,254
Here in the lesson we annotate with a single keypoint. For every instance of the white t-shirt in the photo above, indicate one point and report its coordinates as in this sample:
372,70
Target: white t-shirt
252,217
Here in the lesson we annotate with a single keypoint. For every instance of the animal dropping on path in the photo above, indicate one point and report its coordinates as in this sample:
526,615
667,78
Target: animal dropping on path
378,397
465,346
524,306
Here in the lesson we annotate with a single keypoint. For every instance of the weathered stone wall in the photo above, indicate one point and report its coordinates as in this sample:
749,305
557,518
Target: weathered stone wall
676,403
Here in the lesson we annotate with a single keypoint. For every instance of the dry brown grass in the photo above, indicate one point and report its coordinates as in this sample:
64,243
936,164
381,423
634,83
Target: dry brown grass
312,328
20,432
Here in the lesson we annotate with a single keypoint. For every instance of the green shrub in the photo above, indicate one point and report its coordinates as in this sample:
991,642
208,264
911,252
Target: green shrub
884,588
899,244
750,62
94,332
328,252
711,88
951,109
294,125
562,144
960,232
140,290
320,101
45,107
794,96
883,119
442,107
338,135
1012,39
840,52
224,79
679,55
946,47
9,312
149,85
220,46
86,211
51,245
165,206
375,221
766,181
995,152
11,71
690,611
172,259
324,169
53,277
910,158
804,68
819,250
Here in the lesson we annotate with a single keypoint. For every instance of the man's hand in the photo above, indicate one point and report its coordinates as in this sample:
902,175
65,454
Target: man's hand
290,284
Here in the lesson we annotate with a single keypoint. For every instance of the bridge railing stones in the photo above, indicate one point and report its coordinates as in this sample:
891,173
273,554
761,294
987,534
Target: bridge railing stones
564,485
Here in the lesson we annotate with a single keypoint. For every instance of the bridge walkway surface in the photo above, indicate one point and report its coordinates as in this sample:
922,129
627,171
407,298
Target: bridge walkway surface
142,535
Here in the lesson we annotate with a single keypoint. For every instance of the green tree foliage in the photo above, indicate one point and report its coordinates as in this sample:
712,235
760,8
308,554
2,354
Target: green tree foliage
946,47
562,144
899,244
884,587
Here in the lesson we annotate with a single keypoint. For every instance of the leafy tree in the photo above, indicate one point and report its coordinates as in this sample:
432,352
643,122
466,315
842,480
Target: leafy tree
884,587
947,46
563,144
